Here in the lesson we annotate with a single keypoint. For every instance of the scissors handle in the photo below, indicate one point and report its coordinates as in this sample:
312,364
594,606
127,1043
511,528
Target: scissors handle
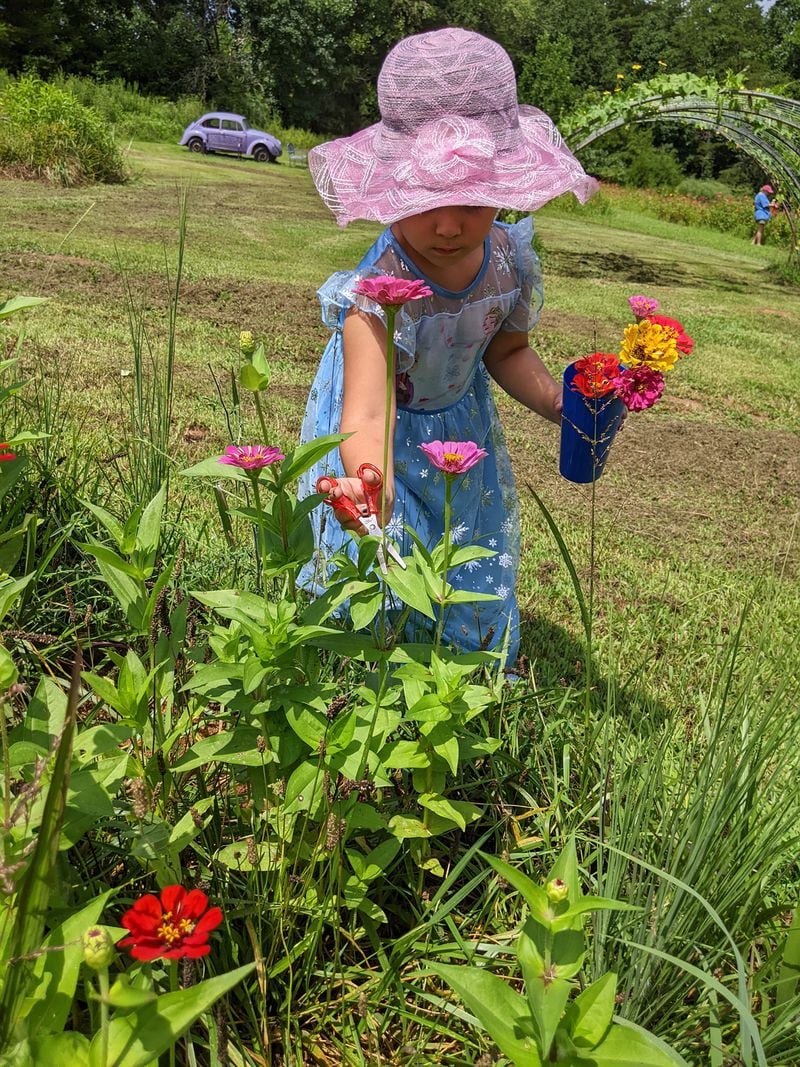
341,503
372,493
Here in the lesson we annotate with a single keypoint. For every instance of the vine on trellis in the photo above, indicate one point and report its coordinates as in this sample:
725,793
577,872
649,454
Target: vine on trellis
762,124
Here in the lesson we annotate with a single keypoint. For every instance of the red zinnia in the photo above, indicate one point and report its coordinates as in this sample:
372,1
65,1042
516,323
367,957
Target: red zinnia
175,925
6,455
595,374
683,342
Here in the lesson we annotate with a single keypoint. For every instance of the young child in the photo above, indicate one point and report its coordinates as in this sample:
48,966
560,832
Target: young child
452,147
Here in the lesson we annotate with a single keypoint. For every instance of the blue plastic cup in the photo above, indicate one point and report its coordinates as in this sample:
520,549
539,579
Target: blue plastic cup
588,427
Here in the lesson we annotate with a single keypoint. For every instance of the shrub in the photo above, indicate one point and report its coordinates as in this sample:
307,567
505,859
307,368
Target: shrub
45,132
134,114
703,188
653,167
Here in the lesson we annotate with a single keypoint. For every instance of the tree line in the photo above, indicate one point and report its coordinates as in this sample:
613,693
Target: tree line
313,63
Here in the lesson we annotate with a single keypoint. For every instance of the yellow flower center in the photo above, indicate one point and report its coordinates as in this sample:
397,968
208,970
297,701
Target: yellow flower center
172,930
452,457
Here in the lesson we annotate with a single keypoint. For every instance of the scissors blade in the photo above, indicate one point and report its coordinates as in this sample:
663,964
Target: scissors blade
373,526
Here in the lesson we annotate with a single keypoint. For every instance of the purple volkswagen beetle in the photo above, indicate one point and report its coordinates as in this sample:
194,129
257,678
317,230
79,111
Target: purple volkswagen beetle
221,131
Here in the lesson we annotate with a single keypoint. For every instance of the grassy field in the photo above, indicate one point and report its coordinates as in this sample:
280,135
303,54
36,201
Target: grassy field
696,516
673,761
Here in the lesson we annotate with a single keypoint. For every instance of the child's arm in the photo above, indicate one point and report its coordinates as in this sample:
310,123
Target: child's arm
517,369
364,405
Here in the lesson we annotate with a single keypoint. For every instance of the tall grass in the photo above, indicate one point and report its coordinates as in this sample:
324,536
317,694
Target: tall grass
150,401
134,114
45,132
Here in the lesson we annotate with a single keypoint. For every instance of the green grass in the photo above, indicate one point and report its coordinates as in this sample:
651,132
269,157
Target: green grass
697,512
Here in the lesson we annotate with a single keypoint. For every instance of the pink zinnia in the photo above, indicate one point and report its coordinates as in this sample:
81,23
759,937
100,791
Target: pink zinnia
251,457
639,387
683,342
391,292
4,454
642,306
453,457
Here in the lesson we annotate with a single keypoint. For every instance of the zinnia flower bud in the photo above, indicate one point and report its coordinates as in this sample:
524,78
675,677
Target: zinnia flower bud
98,948
247,343
557,890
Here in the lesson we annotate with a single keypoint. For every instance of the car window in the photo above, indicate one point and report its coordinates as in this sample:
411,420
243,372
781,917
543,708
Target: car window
211,123
229,124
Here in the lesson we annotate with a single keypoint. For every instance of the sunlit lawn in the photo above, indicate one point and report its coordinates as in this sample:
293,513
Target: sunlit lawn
696,515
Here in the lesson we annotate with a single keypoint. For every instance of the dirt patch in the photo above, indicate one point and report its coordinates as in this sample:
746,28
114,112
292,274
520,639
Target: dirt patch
263,307
683,487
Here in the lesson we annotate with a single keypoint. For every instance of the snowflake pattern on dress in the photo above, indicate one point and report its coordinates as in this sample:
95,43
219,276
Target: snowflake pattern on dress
440,343
503,260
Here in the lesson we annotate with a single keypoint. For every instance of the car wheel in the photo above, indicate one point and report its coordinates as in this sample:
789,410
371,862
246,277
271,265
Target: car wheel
262,154
196,145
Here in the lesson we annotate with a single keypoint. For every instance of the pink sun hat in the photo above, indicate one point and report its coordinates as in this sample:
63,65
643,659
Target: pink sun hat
767,189
451,134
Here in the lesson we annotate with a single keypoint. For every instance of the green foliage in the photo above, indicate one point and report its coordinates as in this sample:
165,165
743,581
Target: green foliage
650,167
543,1026
545,79
703,188
132,113
46,133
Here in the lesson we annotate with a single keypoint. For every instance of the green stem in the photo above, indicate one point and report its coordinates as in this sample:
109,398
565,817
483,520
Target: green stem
262,533
391,315
448,488
261,420
6,764
173,986
102,981
284,523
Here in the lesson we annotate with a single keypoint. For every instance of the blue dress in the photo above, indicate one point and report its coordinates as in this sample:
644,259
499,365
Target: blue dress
761,207
444,394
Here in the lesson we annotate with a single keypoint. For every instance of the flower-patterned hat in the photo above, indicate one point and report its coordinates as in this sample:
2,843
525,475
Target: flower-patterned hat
451,133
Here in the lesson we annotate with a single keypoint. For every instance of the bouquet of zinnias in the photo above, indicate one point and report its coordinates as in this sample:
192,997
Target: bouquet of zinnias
599,387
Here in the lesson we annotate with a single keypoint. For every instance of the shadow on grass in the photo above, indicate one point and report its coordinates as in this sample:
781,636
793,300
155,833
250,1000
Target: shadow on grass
558,661
636,271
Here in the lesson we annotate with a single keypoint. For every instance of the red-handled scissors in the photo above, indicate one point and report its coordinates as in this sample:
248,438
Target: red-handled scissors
372,496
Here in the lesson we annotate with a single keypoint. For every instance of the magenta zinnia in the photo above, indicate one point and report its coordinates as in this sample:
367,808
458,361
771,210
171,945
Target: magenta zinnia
639,387
392,292
174,924
642,306
251,457
453,457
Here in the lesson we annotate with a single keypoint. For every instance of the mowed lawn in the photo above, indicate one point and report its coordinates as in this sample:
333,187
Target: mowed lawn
696,517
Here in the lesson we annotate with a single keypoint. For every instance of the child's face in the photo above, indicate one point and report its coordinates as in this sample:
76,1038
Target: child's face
444,236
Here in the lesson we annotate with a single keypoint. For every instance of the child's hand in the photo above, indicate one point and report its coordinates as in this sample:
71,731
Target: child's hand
352,488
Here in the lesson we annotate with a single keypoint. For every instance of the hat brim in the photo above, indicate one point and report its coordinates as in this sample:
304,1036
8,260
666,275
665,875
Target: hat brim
356,183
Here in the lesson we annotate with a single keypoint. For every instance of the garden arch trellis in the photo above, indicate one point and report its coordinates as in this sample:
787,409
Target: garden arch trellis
761,124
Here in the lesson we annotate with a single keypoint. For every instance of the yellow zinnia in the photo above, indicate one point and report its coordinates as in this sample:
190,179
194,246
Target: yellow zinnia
648,343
